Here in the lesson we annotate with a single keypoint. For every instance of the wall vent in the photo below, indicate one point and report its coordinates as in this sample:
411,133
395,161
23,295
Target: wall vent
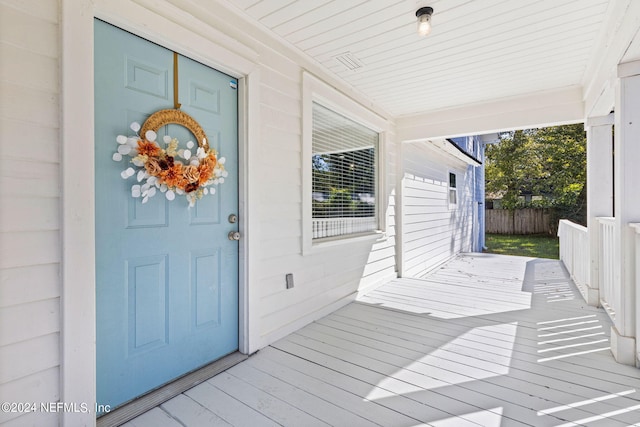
349,60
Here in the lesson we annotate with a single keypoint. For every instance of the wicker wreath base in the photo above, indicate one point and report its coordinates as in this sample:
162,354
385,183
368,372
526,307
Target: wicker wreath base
164,117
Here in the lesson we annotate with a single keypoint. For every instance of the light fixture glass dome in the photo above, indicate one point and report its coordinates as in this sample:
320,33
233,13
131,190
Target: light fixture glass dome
424,20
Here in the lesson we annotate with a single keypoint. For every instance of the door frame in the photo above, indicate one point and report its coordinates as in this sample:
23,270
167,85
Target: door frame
171,27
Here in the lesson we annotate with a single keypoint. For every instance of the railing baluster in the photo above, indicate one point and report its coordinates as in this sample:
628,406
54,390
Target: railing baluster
330,227
610,290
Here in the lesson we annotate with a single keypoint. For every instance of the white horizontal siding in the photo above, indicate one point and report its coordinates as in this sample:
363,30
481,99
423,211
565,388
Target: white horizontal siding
21,26
28,68
42,282
38,387
28,356
22,178
41,147
29,104
322,278
29,208
34,319
20,249
30,214
432,230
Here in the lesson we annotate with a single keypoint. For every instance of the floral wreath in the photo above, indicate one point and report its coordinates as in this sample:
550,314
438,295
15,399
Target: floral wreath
161,168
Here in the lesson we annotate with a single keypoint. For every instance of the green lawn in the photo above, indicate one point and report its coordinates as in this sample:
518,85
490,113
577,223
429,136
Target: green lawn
532,246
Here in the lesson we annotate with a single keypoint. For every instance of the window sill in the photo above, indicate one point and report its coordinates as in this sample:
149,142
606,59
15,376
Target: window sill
320,245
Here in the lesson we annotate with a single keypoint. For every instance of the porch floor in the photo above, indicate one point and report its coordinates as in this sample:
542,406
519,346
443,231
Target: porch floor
486,340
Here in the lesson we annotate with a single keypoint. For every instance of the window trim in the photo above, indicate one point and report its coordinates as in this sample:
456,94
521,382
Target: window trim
449,188
315,90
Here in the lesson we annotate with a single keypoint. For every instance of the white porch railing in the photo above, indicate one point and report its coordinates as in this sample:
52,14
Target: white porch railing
574,252
636,227
329,227
610,292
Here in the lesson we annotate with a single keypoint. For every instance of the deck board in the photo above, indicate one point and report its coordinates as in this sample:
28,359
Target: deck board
485,340
477,368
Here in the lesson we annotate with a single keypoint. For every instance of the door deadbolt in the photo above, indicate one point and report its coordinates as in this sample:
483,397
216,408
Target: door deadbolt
234,235
233,218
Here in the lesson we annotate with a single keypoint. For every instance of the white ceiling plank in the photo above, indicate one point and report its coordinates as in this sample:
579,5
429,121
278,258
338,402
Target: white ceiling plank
479,84
522,75
454,31
402,30
482,57
386,27
479,43
244,4
449,95
343,23
478,51
481,39
374,20
324,11
293,12
489,73
266,7
422,69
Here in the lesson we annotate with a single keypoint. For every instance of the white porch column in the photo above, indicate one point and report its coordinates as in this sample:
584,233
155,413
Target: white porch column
599,193
627,207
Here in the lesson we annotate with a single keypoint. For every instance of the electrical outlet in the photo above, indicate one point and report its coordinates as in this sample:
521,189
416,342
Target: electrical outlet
289,280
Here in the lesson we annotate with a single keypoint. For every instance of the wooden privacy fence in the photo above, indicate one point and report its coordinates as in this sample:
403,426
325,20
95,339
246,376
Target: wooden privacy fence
518,221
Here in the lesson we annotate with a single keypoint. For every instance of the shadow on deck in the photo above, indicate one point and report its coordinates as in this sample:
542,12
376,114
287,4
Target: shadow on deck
486,340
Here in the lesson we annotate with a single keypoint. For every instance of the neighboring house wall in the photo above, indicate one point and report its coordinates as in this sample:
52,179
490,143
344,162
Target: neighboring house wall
433,230
29,207
474,146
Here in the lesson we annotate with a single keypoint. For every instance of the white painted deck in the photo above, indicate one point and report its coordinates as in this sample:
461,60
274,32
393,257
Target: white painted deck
485,340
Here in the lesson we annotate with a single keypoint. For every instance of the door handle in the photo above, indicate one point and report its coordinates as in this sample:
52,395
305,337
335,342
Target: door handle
234,235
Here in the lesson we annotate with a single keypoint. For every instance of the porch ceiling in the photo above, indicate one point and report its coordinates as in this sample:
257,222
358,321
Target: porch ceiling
478,51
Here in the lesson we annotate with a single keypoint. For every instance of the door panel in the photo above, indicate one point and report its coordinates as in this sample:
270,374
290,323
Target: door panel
166,274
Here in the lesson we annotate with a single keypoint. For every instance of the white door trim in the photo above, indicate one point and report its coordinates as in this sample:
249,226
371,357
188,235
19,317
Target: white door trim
78,352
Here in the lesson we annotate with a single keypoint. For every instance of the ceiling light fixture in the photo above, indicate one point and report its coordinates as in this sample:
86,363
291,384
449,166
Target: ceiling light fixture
424,20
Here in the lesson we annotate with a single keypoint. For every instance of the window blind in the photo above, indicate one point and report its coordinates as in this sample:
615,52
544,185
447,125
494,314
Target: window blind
344,175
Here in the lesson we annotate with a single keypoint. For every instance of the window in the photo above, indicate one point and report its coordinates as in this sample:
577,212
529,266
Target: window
453,192
343,167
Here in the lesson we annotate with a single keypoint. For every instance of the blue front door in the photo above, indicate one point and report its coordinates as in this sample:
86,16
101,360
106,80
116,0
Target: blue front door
166,274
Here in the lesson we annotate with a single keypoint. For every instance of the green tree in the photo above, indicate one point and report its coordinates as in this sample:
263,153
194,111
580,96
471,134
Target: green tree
548,162
564,158
513,167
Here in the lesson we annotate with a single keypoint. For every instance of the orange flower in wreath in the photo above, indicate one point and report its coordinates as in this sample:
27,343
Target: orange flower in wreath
206,172
174,177
211,160
148,148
